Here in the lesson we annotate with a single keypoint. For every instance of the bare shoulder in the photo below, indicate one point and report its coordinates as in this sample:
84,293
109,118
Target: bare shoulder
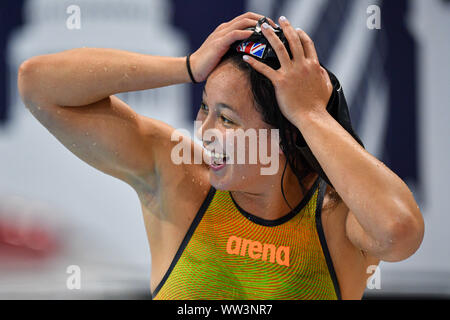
179,183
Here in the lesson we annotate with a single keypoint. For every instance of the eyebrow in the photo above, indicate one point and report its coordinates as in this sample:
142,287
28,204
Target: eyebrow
225,106
221,105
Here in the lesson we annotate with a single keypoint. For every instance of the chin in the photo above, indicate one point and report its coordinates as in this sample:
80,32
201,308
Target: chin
220,182
228,179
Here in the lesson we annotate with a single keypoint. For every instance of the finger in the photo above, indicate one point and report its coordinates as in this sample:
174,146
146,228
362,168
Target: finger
257,17
308,45
248,15
245,23
293,39
262,68
276,44
236,35
240,25
272,23
251,15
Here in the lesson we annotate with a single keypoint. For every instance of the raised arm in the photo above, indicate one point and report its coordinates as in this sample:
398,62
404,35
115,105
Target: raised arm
72,94
82,76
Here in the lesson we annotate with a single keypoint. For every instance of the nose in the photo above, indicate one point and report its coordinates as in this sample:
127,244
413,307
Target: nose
200,127
208,134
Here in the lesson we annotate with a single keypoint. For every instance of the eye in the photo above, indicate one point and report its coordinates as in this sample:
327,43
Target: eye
203,107
226,120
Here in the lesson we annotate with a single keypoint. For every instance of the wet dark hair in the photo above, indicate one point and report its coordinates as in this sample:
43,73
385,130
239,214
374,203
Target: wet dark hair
266,103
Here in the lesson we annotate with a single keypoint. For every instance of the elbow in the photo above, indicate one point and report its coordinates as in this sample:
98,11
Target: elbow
26,69
27,66
405,236
26,83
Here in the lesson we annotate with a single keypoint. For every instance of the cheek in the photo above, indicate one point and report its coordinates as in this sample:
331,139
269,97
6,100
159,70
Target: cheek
248,146
229,142
244,175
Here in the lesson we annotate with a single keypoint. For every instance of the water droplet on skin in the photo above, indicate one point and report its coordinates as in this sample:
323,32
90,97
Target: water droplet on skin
39,108
90,70
58,112
243,177
133,67
74,145
87,133
105,68
94,144
201,183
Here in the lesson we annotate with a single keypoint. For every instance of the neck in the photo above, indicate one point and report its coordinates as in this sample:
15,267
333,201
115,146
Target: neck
269,203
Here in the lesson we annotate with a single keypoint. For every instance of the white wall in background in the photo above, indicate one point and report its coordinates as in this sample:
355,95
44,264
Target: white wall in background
101,214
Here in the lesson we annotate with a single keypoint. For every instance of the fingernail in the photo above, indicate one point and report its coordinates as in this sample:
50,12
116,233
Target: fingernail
298,29
265,25
246,58
283,18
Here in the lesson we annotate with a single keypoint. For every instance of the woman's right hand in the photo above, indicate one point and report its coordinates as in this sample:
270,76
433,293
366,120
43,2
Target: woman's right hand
206,58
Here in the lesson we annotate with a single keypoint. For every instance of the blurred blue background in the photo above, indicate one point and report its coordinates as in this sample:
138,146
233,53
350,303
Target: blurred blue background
56,211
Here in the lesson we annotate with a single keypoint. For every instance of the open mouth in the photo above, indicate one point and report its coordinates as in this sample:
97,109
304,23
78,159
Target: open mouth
216,160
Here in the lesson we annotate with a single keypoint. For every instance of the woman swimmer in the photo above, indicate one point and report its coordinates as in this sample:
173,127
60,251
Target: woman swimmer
224,230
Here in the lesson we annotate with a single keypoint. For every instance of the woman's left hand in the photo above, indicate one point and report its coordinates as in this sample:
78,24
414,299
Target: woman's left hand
302,86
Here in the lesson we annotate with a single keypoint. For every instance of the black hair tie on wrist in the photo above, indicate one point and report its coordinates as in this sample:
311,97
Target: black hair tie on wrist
188,64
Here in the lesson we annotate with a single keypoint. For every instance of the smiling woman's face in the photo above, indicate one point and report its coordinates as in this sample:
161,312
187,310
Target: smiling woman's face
228,105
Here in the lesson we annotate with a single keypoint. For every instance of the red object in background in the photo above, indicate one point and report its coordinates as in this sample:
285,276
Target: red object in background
26,233
31,237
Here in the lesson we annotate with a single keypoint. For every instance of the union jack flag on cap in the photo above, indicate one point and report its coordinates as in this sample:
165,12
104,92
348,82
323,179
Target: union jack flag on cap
254,48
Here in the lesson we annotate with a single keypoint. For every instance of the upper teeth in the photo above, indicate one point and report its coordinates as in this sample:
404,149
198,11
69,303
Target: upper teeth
216,155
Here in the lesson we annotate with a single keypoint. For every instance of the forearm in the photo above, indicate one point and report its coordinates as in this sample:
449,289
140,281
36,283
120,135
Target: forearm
85,75
379,199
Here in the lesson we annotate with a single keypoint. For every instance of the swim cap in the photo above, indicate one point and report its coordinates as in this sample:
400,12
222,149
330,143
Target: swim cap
259,47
